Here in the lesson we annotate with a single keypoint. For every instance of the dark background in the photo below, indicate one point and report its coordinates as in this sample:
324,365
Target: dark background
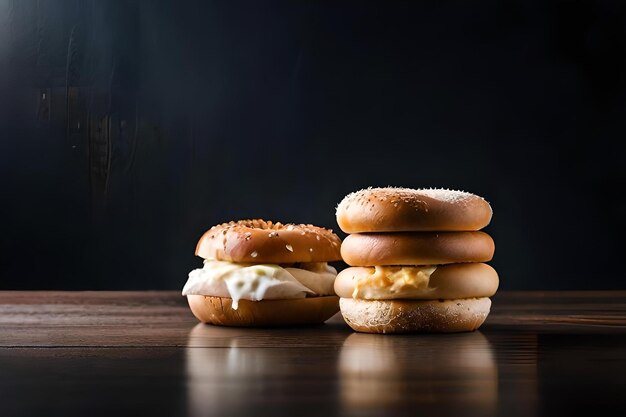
128,128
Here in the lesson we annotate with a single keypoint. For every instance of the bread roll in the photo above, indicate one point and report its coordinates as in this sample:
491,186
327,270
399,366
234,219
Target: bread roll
418,248
392,209
271,313
260,241
408,316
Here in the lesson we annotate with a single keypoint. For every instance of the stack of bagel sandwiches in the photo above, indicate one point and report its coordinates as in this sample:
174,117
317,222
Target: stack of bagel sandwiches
416,260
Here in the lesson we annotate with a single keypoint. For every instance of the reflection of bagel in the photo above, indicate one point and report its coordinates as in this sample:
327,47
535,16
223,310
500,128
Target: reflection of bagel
218,310
407,316
426,248
220,372
393,209
447,372
232,371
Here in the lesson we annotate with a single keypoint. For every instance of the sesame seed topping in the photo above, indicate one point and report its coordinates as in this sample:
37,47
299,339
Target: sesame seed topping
289,248
254,254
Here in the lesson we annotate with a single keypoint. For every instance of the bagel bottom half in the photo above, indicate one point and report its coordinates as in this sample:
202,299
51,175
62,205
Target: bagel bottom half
264,313
413,316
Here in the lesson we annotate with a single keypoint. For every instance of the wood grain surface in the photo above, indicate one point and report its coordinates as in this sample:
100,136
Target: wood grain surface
143,353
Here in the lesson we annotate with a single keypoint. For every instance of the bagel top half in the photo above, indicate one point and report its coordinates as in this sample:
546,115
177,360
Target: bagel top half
393,209
260,241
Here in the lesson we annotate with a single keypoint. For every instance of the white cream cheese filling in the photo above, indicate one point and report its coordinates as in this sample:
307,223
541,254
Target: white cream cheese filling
257,282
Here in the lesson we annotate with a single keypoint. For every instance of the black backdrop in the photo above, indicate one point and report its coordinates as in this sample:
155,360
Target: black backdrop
128,128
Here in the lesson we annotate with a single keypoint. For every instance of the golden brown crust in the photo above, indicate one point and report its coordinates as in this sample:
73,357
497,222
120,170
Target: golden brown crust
260,241
408,316
425,248
452,281
393,209
219,311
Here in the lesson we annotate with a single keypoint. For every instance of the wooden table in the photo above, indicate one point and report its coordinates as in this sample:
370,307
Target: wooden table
143,353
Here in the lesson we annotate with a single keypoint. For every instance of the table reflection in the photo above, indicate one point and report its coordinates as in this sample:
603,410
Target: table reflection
242,371
448,372
224,374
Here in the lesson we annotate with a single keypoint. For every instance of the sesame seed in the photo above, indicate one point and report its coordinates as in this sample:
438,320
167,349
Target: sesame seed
254,254
289,248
